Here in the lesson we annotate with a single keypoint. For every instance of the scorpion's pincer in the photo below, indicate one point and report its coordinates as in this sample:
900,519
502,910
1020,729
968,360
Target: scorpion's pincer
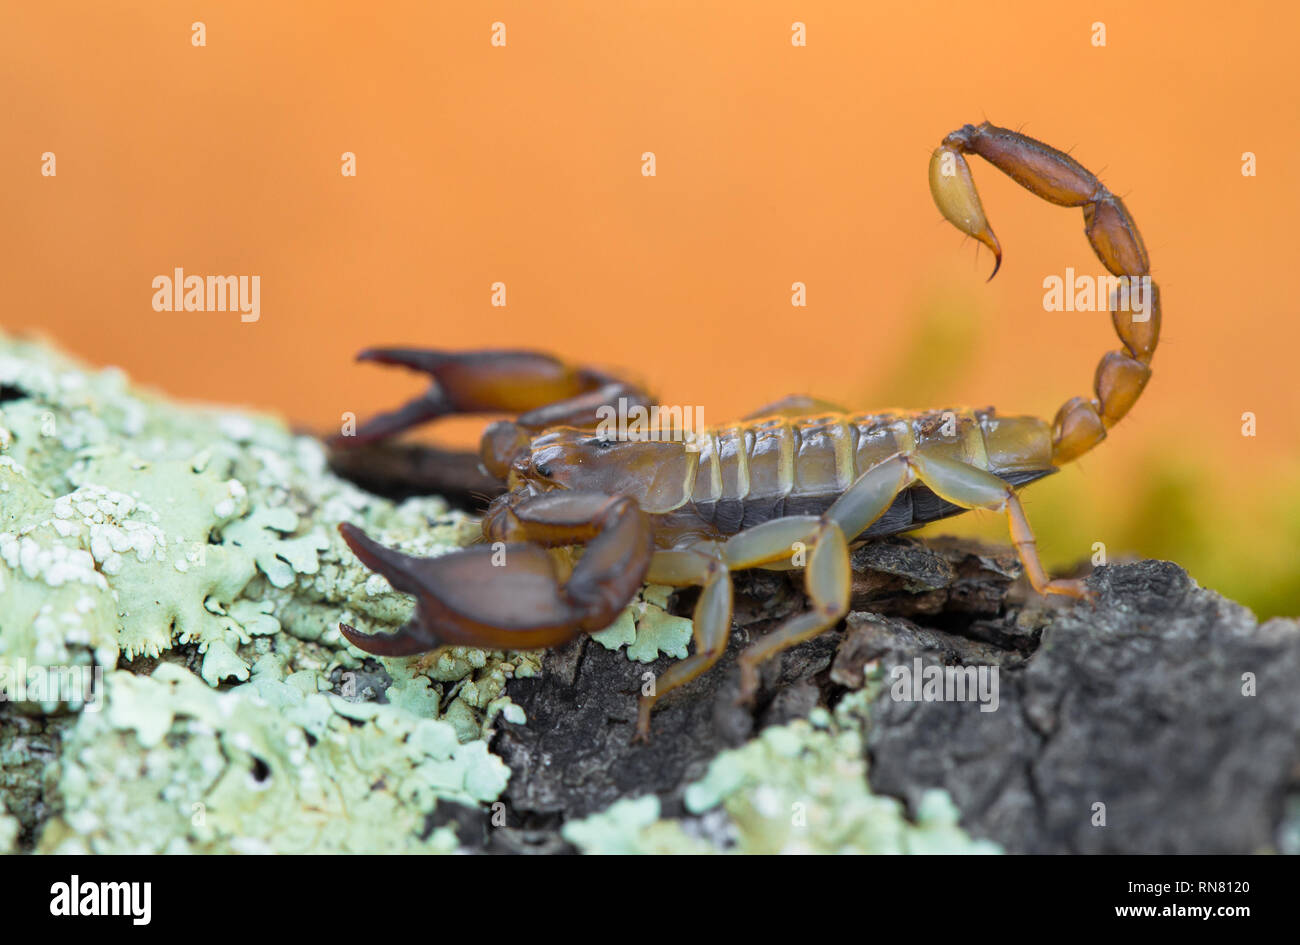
954,193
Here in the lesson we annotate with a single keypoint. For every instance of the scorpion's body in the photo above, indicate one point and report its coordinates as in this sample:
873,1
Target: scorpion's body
794,486
719,482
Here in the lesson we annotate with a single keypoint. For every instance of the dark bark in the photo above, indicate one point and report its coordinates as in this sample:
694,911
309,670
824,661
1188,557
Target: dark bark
1135,702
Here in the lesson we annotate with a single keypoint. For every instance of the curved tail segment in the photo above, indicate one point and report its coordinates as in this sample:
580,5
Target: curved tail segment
1082,422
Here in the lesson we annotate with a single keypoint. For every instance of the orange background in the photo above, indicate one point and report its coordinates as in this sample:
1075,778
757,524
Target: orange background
775,164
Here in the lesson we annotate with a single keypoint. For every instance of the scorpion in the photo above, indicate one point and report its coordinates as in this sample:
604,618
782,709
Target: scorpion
587,519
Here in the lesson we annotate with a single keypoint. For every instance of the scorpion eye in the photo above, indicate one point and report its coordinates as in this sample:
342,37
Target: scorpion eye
543,470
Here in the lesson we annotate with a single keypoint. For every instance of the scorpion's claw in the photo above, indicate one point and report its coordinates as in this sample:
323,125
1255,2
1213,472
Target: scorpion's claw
954,193
464,599
407,641
473,382
511,595
417,359
428,406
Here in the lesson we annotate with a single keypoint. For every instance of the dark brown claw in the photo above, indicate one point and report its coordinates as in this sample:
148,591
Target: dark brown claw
473,382
426,407
405,642
510,595
463,599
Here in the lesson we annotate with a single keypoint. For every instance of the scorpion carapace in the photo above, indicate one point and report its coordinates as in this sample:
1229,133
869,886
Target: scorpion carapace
793,485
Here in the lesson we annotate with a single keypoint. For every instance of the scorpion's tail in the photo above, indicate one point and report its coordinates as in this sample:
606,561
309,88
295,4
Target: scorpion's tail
1082,422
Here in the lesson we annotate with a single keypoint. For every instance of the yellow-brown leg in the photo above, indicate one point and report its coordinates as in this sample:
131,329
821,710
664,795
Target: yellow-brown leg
701,566
827,582
709,565
827,577
973,488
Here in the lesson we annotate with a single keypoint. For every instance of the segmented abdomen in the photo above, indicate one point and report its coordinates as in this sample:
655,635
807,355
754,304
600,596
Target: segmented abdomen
750,473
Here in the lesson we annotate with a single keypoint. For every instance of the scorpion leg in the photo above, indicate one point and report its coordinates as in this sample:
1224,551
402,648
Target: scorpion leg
701,565
709,566
826,580
973,488
539,388
513,595
827,577
775,544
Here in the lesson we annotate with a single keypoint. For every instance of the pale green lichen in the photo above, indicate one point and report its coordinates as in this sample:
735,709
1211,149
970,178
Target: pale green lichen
220,662
279,558
632,826
797,788
133,528
273,766
619,633
647,629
